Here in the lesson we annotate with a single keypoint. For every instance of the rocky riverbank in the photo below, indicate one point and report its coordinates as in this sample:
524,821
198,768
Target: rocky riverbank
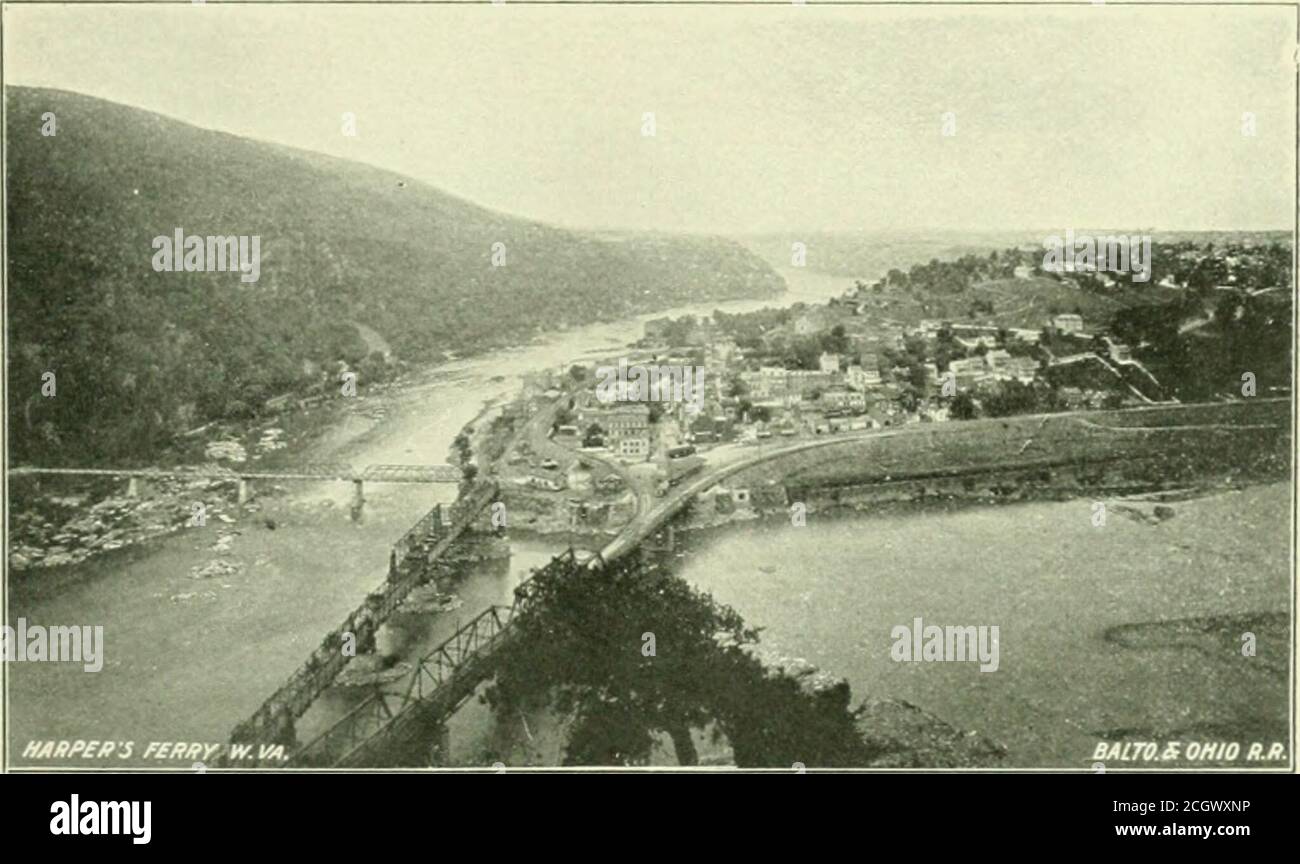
63,520
894,733
1145,500
55,530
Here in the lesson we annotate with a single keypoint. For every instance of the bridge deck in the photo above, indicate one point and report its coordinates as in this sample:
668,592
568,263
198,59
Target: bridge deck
440,683
310,471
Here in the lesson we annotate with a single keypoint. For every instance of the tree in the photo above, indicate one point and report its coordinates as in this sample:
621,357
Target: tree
963,407
374,368
624,654
836,342
461,445
1008,398
1225,310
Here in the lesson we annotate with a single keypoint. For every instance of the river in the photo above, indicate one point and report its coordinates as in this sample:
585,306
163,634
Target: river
1104,632
187,659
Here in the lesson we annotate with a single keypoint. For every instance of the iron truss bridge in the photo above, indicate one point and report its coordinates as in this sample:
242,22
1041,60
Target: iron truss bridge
440,683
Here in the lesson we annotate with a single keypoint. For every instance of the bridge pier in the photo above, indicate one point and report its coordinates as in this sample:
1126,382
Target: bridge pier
440,746
358,499
133,487
284,730
661,541
244,491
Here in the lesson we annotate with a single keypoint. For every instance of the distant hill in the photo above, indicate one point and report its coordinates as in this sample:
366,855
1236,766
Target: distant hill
867,255
864,255
1024,303
141,355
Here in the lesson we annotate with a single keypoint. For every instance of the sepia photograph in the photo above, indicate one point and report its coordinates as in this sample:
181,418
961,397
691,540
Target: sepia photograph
699,388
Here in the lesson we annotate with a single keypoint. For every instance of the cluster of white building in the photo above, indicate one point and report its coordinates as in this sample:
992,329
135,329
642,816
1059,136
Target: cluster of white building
625,426
776,385
995,365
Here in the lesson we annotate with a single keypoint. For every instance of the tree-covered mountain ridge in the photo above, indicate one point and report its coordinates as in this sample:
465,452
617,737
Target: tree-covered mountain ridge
141,355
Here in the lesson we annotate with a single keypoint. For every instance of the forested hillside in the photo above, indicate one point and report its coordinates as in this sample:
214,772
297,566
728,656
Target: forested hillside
141,355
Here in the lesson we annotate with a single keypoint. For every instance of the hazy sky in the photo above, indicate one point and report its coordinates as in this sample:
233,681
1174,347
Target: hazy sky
767,118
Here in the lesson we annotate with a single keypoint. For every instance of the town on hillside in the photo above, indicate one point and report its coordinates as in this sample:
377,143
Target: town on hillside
1010,338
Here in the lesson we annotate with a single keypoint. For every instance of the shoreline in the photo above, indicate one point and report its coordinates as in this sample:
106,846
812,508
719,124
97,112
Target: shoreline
96,521
1151,625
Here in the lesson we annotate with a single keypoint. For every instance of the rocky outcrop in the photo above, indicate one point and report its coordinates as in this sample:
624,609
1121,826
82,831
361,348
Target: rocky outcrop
894,733
62,530
905,736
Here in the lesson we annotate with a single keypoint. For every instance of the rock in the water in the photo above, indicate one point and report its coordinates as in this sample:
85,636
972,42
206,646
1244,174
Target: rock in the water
215,568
